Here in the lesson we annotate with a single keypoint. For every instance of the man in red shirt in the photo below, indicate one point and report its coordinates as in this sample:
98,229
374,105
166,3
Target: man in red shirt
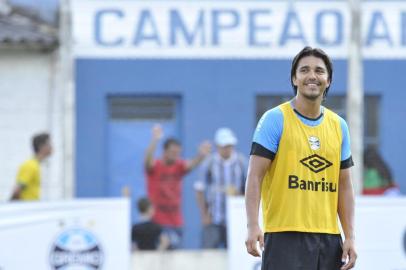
164,182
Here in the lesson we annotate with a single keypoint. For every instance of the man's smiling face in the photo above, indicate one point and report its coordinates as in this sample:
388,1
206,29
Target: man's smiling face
311,77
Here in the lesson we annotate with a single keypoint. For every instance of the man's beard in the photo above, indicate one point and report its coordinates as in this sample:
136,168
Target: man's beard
312,97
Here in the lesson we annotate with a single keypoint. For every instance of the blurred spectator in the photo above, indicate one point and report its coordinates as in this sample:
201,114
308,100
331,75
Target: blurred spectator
222,174
164,182
147,235
28,186
377,176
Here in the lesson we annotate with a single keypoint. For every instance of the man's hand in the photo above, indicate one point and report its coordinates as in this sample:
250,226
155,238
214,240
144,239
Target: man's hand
17,193
157,132
348,252
204,148
206,219
254,235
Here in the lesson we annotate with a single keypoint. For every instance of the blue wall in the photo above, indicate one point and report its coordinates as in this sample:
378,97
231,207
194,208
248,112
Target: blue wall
214,93
388,79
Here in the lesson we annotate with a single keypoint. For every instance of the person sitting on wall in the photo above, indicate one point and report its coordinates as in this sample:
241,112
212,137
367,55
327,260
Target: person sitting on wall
377,175
148,235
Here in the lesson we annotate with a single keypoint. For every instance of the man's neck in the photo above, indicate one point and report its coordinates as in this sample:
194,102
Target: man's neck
225,158
168,161
307,107
40,157
145,217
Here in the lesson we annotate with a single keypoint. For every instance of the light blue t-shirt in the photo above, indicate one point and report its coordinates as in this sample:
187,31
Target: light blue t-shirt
269,131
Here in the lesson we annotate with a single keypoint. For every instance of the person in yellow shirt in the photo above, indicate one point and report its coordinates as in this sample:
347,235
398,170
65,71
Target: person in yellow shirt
28,186
300,169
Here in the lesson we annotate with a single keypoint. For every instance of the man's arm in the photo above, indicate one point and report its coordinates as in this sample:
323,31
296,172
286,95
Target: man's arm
200,187
204,150
257,168
201,202
346,214
149,154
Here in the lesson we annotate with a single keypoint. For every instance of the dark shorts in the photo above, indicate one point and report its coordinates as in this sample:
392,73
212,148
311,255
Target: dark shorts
214,236
302,251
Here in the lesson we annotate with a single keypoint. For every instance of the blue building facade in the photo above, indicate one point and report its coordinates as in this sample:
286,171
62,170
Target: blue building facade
123,89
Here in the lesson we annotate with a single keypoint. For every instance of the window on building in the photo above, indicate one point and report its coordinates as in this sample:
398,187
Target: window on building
142,108
338,105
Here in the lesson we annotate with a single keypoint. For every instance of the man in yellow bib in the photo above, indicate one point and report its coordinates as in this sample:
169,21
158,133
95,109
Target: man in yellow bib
300,168
29,175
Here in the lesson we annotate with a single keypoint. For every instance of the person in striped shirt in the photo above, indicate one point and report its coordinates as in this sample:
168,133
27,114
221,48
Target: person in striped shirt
222,174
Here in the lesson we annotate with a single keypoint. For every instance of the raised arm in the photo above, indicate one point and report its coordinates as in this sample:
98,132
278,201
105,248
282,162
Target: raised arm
346,214
257,168
204,150
157,134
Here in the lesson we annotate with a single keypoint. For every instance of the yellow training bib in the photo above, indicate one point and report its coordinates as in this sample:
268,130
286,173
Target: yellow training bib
300,189
29,176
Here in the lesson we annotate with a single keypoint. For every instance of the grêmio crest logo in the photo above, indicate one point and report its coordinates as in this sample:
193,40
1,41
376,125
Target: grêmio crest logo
316,163
76,249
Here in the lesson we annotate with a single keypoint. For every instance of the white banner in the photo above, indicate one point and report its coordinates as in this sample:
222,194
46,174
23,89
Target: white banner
72,235
232,29
380,229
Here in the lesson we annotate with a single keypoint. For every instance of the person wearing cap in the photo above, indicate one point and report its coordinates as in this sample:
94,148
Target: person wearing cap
222,174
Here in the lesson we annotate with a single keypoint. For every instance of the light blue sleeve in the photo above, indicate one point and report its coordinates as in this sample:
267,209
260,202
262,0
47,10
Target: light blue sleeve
346,144
269,129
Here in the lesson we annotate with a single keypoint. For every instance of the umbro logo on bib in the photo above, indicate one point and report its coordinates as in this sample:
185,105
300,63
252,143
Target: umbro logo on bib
316,163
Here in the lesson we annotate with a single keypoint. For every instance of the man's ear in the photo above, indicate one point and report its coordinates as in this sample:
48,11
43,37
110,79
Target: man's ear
294,80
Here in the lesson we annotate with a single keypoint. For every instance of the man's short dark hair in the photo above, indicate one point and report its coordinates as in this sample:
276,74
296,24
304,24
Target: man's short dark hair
39,140
143,204
170,141
316,52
